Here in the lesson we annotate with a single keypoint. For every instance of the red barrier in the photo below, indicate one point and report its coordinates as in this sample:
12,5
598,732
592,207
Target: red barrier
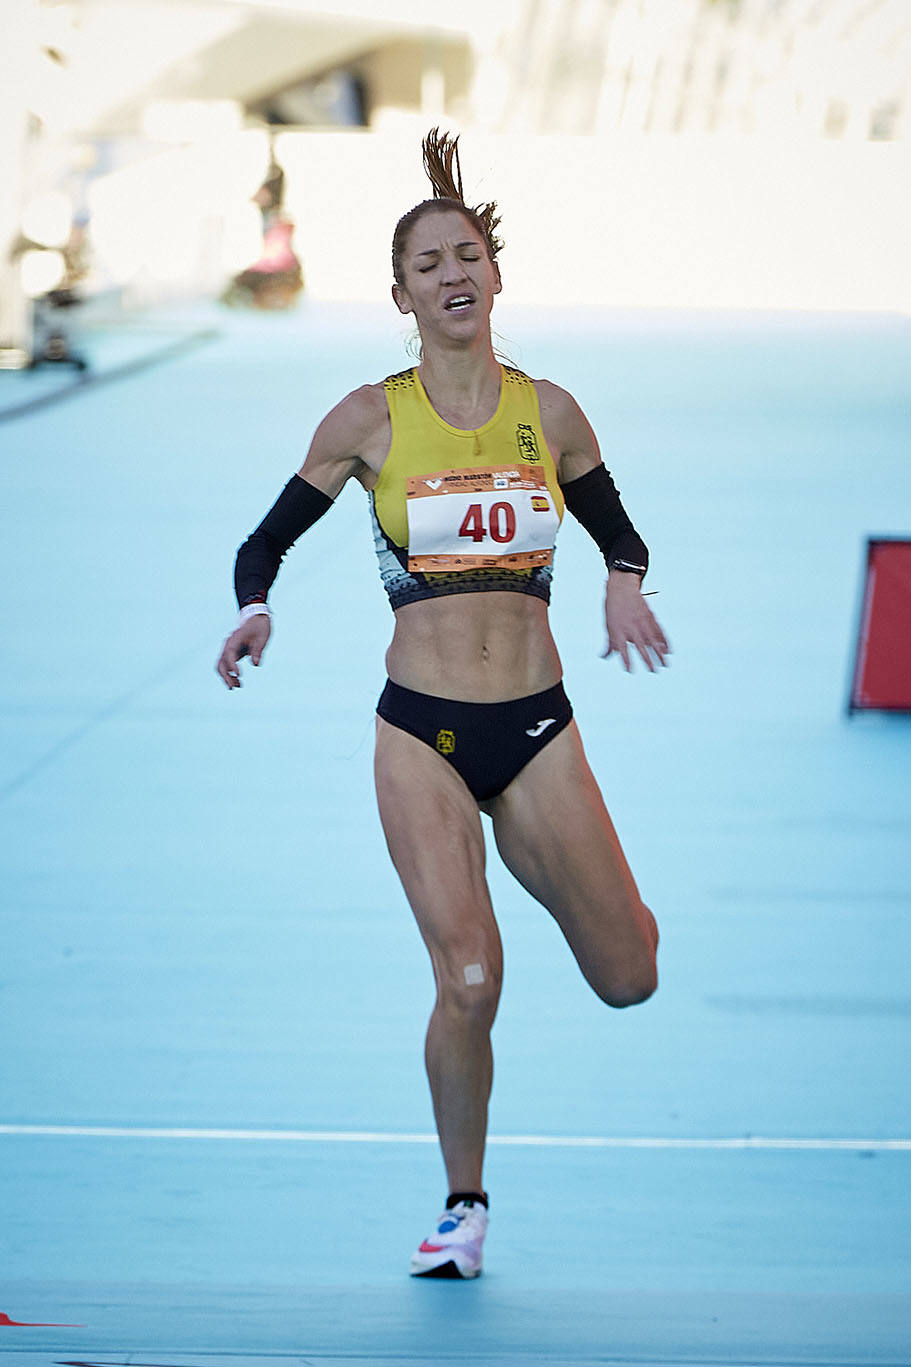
882,661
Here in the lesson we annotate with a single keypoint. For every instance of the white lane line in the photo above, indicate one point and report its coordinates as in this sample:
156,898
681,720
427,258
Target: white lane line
538,1141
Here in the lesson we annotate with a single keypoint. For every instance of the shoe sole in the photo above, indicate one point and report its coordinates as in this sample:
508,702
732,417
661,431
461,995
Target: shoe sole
450,1271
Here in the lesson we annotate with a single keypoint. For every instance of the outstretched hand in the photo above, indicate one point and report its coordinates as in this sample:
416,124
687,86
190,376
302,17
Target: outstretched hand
249,639
630,622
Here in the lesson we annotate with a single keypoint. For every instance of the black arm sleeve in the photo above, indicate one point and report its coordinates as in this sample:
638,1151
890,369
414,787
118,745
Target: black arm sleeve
594,502
297,507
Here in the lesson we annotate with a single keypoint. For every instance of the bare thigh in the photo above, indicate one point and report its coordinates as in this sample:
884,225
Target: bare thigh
433,830
556,837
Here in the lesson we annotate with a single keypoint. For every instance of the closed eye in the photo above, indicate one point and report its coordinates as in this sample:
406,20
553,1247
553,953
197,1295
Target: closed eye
463,256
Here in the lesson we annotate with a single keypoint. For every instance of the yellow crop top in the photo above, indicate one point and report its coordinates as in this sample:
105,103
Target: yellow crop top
465,511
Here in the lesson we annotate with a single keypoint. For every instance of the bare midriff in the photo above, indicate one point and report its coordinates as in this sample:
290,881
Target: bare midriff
477,647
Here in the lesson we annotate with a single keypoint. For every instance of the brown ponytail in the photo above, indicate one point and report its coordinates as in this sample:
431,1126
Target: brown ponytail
441,162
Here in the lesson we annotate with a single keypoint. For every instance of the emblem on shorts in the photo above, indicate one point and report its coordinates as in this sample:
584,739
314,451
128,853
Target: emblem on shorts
541,727
445,742
527,443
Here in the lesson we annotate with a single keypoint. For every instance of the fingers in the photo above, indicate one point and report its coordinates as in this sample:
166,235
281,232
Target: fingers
654,647
256,635
250,639
646,654
631,627
659,642
619,648
226,667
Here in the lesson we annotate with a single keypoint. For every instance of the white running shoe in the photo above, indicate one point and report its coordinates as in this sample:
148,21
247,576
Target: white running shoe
455,1247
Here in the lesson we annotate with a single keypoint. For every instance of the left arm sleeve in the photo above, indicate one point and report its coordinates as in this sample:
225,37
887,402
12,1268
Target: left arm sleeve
595,503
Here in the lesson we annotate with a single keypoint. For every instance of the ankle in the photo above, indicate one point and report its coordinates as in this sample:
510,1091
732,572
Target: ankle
470,1198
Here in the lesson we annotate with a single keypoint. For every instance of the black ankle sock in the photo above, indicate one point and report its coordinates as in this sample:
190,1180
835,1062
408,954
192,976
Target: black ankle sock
471,1198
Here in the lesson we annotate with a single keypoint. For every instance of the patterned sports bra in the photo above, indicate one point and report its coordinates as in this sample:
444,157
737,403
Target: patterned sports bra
459,511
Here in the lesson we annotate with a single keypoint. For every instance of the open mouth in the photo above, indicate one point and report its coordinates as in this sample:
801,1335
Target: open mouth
459,303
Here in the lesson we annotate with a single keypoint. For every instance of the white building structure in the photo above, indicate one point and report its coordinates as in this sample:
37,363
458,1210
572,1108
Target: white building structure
694,152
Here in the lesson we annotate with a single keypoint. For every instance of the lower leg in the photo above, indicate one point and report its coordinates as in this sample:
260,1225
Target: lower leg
459,1062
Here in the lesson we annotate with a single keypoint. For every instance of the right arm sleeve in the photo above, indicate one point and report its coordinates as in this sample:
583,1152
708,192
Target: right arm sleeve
297,507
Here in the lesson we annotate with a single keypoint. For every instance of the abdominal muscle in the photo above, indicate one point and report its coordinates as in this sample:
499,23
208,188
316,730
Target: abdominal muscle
477,647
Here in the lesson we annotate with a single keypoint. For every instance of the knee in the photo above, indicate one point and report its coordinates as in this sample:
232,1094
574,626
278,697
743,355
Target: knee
470,994
634,989
631,986
639,979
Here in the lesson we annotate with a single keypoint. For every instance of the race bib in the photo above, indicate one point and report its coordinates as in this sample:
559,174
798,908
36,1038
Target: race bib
498,517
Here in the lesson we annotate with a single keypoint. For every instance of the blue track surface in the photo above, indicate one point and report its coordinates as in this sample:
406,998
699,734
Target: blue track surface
202,932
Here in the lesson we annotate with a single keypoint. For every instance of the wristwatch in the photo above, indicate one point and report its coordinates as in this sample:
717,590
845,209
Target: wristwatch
627,567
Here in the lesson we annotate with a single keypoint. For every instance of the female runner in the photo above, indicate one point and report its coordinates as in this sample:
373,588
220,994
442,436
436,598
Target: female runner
467,466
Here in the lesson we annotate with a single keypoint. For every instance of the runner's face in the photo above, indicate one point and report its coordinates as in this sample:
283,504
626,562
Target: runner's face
449,279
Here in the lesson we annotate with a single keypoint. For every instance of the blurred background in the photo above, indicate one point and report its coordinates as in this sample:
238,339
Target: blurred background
664,153
707,216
